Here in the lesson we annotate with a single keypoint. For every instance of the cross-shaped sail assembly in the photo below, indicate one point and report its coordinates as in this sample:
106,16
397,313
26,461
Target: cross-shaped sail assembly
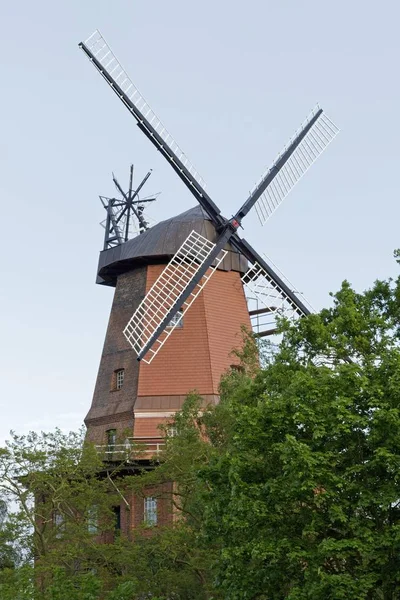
192,266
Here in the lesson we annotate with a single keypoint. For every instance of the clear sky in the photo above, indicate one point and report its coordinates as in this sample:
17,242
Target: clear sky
232,81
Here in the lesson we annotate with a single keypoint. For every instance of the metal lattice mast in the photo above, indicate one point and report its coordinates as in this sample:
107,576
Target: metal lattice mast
121,212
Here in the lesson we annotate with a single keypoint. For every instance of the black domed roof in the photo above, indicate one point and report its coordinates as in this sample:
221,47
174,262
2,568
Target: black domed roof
159,243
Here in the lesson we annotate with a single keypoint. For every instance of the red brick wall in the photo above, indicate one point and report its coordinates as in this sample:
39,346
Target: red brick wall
164,506
183,363
149,426
195,356
133,517
113,409
226,311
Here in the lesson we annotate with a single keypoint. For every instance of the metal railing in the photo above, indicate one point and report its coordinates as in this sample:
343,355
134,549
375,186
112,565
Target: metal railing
131,448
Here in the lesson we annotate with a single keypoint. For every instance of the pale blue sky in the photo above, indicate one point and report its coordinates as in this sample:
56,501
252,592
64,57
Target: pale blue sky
232,81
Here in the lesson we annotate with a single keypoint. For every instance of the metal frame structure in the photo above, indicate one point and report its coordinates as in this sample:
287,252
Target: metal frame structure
315,134
302,150
122,211
267,300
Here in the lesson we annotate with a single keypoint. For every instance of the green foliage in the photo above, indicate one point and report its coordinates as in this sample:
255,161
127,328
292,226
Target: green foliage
8,554
52,480
48,475
288,489
180,559
304,496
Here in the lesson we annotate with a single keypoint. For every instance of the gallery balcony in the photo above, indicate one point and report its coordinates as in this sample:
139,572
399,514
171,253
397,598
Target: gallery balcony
133,449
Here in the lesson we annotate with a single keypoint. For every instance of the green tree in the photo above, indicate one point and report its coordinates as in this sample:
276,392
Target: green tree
303,497
51,482
59,489
288,489
8,555
179,556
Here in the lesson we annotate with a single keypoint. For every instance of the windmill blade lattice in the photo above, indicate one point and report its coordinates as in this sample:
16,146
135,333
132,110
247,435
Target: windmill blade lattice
317,139
103,54
267,299
165,292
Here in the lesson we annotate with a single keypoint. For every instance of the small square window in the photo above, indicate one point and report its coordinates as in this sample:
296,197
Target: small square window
172,430
58,519
177,320
150,511
119,378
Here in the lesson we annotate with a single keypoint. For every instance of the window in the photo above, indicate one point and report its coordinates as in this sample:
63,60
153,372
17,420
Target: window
119,378
111,438
58,523
150,511
177,320
92,520
58,519
117,518
172,430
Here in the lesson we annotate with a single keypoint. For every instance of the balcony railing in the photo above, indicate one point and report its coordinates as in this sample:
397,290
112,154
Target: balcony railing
132,448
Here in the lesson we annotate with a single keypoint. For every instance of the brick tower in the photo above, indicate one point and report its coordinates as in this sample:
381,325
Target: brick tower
132,399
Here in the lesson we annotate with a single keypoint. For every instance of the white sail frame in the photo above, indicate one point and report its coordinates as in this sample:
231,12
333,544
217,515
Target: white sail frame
166,290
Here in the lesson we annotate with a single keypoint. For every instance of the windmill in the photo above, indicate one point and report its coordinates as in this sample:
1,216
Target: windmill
194,260
190,269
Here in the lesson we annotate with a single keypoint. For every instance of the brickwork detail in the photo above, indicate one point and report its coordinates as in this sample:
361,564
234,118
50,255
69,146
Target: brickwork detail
110,407
184,362
163,493
196,355
225,311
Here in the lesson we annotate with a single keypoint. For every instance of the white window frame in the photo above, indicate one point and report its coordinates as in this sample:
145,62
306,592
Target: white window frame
172,430
93,520
150,516
119,378
177,320
58,523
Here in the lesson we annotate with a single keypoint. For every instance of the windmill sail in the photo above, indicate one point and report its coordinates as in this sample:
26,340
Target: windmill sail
189,270
283,177
160,302
268,298
105,61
